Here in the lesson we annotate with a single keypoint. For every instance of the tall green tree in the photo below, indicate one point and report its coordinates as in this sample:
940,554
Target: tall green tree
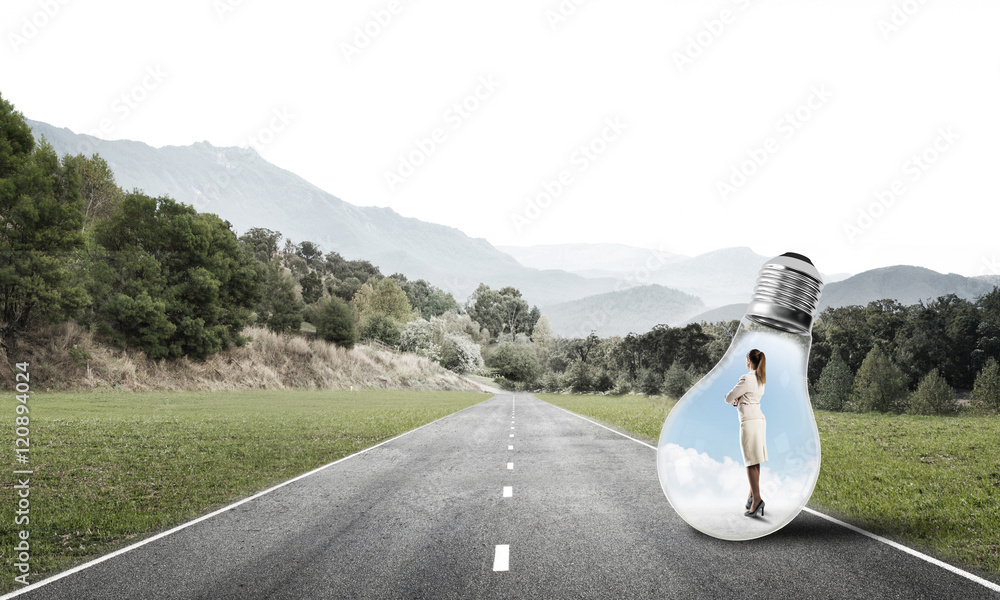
41,217
933,396
262,242
335,322
986,390
880,385
312,287
835,384
170,280
278,308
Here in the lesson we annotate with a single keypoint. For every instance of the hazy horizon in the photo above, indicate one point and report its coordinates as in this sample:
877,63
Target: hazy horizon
847,134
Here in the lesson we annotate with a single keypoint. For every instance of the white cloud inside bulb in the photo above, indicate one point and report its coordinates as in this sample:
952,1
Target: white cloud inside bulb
696,480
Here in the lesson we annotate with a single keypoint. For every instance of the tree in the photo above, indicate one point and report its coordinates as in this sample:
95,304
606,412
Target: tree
278,309
835,384
650,382
933,396
880,385
501,310
578,378
385,297
335,322
312,287
986,390
311,253
41,218
516,362
171,281
677,380
262,243
98,190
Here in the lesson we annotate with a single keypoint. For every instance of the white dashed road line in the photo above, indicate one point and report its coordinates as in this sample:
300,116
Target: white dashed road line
508,491
501,559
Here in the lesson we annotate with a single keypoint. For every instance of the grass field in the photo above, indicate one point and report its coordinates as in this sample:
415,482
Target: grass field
113,468
931,483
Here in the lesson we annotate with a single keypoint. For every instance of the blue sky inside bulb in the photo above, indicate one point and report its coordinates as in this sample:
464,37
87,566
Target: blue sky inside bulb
699,461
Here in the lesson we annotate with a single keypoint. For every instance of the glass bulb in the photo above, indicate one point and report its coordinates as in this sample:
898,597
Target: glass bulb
700,460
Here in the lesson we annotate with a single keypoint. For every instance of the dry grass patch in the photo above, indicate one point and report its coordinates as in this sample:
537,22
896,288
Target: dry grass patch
67,357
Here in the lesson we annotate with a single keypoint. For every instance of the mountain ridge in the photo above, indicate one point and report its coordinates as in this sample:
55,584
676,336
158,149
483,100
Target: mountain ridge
247,191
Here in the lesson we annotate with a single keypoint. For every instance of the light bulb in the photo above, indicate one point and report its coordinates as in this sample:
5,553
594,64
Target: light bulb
700,458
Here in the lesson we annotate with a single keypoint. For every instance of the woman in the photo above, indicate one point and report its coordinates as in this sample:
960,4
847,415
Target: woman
746,398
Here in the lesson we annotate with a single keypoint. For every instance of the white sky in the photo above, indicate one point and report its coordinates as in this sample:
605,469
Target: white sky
884,94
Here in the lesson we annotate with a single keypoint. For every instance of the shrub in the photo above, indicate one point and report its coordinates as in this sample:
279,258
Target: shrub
604,383
334,321
551,382
460,354
382,327
514,361
418,337
986,389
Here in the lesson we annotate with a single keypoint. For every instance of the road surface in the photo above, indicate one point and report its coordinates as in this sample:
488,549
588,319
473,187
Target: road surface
511,498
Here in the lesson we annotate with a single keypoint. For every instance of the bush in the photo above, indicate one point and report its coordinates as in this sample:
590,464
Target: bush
650,382
418,337
604,383
382,327
623,386
880,384
514,361
334,321
986,389
933,396
551,382
833,389
460,354
677,381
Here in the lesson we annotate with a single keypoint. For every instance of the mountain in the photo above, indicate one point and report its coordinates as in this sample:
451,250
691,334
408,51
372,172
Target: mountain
722,313
592,260
240,186
903,283
636,309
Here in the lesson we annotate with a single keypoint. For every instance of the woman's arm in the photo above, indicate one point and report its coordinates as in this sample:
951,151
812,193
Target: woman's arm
741,388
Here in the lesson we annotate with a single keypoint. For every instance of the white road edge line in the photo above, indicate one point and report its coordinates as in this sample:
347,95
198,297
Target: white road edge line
896,545
501,558
164,534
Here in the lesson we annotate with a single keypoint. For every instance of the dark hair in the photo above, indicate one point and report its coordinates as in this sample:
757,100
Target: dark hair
759,363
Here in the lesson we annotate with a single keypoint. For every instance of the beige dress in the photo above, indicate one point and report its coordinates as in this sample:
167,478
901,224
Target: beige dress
753,427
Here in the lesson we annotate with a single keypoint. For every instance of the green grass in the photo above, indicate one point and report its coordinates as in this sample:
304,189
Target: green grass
931,483
111,469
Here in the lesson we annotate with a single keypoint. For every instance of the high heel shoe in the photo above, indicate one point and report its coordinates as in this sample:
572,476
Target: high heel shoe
749,502
759,509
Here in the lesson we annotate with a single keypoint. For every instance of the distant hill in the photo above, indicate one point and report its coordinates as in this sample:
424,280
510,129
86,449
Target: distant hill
241,187
904,283
722,313
592,260
636,309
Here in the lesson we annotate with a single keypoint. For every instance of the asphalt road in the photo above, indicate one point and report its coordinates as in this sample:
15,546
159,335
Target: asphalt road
423,516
